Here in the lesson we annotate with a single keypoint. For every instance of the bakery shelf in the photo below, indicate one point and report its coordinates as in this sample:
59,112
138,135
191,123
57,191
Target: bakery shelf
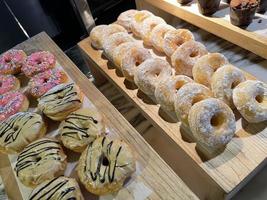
154,179
253,38
218,178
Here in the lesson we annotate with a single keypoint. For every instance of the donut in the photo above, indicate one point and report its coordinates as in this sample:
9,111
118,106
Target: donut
138,20
40,161
149,74
212,122
105,165
224,80
132,59
157,35
42,82
80,128
19,130
8,83
186,97
38,62
175,38
12,103
186,55
147,27
126,19
166,90
12,61
58,102
250,99
205,67
96,36
62,188
114,41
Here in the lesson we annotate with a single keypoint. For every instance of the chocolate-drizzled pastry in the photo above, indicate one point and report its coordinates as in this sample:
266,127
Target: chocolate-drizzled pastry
41,160
60,188
104,165
19,130
208,7
80,128
60,101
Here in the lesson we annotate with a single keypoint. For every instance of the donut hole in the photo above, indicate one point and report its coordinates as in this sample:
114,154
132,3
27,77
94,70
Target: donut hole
137,63
259,98
234,84
7,60
217,120
105,161
153,26
197,98
38,62
46,80
193,54
179,84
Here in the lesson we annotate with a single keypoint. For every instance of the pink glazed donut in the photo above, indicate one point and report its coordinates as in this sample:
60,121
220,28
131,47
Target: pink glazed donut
38,62
12,103
12,61
42,82
8,83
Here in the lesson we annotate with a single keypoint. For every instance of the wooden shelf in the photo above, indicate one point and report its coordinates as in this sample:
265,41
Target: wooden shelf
218,178
154,179
253,38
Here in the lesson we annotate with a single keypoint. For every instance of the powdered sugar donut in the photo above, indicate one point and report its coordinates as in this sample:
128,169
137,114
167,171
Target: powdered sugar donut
149,74
137,24
12,103
167,89
126,19
175,38
38,62
12,61
42,82
250,98
8,83
224,80
212,122
114,41
120,50
185,57
187,96
147,27
205,67
132,59
158,34
96,36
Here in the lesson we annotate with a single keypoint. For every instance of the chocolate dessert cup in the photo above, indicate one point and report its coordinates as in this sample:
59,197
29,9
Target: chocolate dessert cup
208,7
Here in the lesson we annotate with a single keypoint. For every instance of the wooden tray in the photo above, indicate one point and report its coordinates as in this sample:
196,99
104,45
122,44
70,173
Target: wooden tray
217,178
153,179
253,38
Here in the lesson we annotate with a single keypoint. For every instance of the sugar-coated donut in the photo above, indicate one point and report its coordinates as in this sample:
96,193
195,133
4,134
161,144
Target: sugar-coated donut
41,160
19,130
137,24
120,50
59,188
126,19
175,38
114,40
167,89
205,67
12,103
157,35
147,27
224,80
60,101
105,165
250,98
38,62
12,61
96,36
212,122
8,83
187,96
80,128
42,82
149,74
132,59
186,55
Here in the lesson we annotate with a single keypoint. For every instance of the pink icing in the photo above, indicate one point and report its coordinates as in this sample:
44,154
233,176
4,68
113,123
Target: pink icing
11,61
7,83
10,104
42,82
38,62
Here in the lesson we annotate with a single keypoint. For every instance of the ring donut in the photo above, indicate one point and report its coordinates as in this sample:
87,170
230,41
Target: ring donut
120,50
126,19
137,24
8,83
186,55
96,36
250,98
